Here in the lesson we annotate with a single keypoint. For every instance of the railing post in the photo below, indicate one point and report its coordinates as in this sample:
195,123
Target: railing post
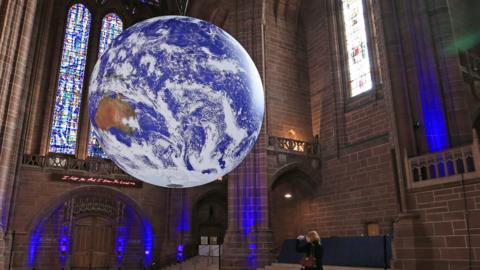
445,164
464,160
408,169
475,151
437,166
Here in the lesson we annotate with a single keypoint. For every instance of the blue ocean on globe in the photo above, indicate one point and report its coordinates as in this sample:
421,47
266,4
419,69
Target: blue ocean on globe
176,101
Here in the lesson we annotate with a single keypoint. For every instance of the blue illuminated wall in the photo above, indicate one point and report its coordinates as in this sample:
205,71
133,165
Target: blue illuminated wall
35,240
183,219
433,124
64,243
434,120
147,243
120,243
147,236
250,203
122,235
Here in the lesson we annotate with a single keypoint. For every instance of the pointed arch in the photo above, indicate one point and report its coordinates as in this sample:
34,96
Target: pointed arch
112,26
107,194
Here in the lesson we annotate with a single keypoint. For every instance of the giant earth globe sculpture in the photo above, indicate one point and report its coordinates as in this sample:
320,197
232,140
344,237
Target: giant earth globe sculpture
176,101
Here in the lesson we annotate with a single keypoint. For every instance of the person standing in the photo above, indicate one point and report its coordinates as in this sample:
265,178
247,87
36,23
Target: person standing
313,250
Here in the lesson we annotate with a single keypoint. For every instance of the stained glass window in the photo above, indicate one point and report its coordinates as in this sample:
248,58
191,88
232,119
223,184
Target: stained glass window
357,47
112,26
63,137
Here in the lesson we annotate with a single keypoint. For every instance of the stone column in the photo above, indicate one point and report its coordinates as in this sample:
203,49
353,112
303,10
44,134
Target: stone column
248,240
403,245
15,62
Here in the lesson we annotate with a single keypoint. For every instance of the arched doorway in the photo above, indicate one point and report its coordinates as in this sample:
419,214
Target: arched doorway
289,199
91,228
92,242
210,217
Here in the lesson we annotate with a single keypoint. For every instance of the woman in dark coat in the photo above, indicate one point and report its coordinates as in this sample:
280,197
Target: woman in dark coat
313,248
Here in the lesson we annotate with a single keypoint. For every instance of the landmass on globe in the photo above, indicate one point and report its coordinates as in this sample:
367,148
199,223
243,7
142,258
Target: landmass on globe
113,113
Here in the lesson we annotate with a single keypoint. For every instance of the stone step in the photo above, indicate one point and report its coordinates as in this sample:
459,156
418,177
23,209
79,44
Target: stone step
284,266
196,263
329,267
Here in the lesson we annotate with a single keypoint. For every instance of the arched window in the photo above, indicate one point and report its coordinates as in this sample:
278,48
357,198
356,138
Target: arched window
357,47
63,136
112,26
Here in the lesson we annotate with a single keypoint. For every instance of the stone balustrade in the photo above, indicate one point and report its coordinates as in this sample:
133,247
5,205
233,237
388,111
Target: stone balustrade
454,164
94,166
293,146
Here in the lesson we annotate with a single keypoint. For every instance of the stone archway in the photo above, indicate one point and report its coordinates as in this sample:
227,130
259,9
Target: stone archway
210,216
90,228
290,194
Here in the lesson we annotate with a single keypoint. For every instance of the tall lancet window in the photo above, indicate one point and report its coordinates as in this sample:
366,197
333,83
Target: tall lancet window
112,26
63,136
357,48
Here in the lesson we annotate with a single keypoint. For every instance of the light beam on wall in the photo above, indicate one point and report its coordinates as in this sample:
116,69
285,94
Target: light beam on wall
64,243
35,239
147,243
434,120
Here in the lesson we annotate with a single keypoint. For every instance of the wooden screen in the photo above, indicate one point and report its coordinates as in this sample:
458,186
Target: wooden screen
92,243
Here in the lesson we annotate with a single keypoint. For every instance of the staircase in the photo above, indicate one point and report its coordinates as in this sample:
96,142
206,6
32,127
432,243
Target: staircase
196,263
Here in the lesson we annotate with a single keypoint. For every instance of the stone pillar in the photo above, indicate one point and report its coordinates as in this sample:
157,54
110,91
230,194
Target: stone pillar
248,241
15,61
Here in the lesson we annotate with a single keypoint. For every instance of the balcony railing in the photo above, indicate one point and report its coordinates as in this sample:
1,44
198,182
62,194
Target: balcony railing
293,146
443,167
94,166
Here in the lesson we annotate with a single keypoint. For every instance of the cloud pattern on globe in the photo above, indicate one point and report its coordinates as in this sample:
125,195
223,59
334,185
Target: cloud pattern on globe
176,101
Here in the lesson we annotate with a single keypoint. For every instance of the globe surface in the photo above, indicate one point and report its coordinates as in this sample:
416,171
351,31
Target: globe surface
176,101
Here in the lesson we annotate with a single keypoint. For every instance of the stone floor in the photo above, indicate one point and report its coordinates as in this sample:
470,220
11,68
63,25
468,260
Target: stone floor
205,263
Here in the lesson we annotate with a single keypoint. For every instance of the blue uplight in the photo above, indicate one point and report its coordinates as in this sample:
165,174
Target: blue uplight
63,243
147,243
35,239
179,253
120,242
183,220
250,219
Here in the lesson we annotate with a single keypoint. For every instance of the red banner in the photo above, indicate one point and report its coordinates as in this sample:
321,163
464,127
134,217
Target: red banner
98,181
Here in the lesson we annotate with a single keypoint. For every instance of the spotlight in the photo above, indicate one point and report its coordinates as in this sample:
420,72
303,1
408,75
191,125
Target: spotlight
288,196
